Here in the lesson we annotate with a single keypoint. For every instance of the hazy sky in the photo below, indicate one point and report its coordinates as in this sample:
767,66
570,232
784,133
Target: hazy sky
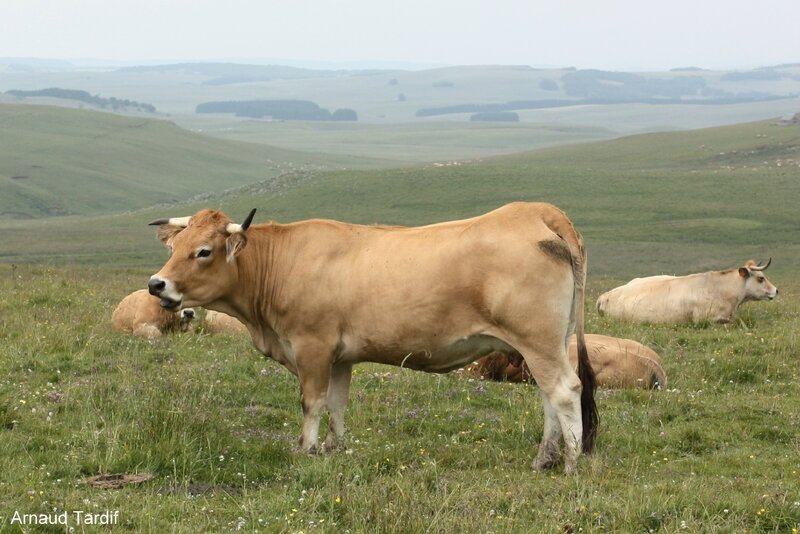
611,34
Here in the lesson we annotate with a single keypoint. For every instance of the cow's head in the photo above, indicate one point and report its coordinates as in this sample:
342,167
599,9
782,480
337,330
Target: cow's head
202,267
756,285
187,316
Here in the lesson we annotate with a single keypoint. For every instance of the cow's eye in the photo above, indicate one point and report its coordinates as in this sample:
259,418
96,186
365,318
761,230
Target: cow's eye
204,253
760,279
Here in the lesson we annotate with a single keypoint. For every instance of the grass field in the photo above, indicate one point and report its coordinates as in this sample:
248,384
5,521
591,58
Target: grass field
215,425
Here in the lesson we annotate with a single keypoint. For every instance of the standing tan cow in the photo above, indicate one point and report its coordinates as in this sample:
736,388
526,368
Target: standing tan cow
319,296
617,363
712,296
141,314
222,323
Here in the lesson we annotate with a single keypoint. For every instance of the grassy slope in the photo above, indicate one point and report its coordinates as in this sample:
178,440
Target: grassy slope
717,452
673,202
423,141
56,161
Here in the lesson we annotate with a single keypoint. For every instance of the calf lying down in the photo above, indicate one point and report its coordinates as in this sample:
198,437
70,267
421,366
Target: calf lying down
617,363
141,314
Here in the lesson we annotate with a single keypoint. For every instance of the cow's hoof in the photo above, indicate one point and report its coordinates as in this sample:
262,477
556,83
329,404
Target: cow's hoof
545,462
333,445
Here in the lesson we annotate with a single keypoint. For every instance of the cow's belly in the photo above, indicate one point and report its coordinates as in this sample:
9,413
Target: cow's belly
439,359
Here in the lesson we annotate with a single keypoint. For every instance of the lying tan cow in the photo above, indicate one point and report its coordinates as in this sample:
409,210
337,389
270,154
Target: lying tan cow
712,296
141,314
617,363
222,323
319,296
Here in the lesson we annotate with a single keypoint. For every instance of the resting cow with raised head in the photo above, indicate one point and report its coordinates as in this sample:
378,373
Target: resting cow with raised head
617,363
141,314
319,296
711,296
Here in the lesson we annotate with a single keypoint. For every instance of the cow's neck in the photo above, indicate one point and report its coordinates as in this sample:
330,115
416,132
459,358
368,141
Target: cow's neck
256,290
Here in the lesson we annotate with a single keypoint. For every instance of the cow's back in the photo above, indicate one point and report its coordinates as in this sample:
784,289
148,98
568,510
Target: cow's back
619,362
409,283
616,362
141,313
653,299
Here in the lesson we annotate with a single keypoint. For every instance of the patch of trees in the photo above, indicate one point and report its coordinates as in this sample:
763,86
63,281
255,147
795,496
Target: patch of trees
498,116
494,108
628,86
115,104
278,110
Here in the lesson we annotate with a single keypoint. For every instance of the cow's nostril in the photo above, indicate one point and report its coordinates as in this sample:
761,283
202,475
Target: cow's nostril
156,286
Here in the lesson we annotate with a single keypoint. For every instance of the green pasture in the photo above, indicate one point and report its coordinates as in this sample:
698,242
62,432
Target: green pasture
215,426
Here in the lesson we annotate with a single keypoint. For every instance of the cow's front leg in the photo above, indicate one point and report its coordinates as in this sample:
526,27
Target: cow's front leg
314,371
338,392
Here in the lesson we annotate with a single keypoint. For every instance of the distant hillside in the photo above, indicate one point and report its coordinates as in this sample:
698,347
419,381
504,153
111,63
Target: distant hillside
115,104
231,73
654,203
57,161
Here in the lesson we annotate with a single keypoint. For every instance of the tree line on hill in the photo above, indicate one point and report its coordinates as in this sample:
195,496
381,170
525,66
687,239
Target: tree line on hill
597,87
278,110
115,104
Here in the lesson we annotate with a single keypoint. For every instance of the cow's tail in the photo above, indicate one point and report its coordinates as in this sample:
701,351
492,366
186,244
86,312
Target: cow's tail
589,415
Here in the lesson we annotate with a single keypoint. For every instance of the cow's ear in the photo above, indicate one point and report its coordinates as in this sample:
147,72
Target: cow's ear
744,272
167,232
234,244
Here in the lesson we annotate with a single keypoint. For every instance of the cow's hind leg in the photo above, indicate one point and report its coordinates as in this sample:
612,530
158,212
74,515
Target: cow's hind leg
561,392
549,449
338,391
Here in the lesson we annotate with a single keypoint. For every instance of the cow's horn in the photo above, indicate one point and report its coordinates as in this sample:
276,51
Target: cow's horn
249,219
175,221
233,228
761,266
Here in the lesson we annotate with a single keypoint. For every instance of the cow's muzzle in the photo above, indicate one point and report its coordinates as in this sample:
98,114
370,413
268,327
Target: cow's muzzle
158,288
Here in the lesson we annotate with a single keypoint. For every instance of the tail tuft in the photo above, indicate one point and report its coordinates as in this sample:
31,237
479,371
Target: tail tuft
589,414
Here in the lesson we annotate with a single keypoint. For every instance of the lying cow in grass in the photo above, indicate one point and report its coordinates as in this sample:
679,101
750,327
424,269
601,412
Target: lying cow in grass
140,313
221,323
711,296
319,296
617,363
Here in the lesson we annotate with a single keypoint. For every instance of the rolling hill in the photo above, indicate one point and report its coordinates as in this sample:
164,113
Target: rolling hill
667,202
57,161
